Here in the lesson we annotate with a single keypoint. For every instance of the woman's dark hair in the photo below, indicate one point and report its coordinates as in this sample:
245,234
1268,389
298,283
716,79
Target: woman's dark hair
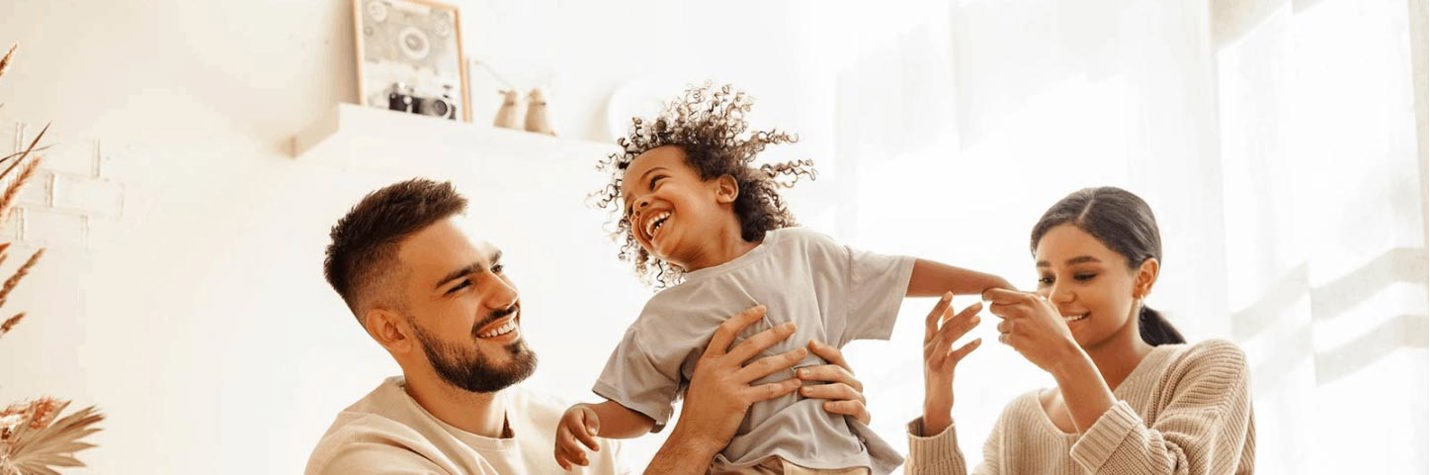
709,124
1123,223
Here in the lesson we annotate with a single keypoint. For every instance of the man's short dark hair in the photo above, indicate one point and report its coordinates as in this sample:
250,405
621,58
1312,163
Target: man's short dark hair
362,258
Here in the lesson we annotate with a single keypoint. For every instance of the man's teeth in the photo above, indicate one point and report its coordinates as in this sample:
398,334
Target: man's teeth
502,330
1074,318
652,224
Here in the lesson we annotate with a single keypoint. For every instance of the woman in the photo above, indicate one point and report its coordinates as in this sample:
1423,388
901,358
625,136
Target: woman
1131,396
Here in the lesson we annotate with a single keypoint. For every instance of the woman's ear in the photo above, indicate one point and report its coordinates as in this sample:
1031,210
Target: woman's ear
1146,277
726,189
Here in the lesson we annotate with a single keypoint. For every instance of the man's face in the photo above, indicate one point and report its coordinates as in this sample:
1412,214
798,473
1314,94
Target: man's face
463,309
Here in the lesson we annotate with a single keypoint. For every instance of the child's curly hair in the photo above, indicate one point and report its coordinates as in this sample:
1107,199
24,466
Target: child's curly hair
709,125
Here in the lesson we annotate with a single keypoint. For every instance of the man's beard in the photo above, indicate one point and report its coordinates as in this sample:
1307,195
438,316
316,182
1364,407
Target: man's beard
468,369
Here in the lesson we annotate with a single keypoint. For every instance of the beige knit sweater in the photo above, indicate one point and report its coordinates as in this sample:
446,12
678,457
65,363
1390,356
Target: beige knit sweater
1185,409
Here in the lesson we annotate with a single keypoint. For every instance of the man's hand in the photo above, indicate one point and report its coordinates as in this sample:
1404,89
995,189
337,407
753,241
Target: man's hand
720,392
574,434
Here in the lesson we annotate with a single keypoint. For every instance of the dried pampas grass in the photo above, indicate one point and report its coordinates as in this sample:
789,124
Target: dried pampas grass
34,439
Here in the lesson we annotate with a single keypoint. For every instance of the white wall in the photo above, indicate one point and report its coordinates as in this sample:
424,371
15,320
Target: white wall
197,318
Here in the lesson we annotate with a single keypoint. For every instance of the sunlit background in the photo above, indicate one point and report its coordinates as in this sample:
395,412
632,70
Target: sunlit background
1281,144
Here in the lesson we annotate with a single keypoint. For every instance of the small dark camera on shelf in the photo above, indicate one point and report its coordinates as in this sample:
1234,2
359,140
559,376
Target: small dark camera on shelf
406,99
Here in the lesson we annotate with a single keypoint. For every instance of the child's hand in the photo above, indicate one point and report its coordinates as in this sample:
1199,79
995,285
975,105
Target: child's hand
576,432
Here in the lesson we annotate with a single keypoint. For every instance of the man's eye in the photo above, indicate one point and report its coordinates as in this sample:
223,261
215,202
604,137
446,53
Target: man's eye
464,284
497,269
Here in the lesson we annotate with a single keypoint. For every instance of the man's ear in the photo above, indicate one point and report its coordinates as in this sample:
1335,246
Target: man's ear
391,330
726,189
1146,277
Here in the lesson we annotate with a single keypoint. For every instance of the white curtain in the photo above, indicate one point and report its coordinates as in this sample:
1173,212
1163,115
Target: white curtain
1275,140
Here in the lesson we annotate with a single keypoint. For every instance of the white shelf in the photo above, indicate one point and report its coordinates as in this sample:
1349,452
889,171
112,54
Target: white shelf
367,138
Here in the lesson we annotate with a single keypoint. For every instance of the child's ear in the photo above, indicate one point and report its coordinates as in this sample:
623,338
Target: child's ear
726,189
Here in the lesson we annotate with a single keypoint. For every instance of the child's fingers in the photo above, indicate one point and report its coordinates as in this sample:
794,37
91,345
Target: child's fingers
587,435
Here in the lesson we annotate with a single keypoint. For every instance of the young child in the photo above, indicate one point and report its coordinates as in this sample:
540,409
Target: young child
703,224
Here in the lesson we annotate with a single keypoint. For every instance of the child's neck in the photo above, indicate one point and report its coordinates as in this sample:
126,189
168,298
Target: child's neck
725,247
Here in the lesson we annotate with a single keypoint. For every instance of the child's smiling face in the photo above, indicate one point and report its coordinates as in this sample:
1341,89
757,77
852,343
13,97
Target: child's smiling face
673,213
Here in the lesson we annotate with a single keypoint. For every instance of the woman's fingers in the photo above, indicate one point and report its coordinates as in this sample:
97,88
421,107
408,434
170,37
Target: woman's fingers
956,356
932,321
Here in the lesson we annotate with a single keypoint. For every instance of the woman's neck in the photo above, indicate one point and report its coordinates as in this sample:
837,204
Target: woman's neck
1117,357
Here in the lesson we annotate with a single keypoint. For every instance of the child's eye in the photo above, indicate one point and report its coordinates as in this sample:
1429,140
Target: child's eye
654,180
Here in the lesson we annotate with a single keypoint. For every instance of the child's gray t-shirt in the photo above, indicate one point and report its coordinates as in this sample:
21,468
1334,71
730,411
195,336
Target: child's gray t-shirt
833,293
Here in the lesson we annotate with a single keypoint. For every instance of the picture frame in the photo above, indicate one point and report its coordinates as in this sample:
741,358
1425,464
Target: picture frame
410,58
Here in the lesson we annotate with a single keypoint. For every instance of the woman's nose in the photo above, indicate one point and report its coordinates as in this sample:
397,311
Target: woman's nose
1059,293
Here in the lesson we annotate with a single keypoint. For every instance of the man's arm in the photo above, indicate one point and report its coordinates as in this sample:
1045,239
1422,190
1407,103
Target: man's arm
720,392
932,279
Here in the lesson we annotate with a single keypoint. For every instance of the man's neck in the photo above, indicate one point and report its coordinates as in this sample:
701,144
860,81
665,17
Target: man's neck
482,414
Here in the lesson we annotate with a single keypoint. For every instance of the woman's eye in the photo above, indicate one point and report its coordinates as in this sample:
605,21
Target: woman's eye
1084,277
1045,280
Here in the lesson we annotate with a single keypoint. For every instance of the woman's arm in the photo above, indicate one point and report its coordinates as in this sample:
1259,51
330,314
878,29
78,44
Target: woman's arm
932,279
933,444
1204,427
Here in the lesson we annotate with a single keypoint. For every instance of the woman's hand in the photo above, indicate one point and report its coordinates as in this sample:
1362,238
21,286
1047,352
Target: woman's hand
844,393
942,329
1033,327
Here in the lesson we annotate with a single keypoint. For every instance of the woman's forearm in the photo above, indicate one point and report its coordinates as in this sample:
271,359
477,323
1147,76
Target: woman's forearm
1084,391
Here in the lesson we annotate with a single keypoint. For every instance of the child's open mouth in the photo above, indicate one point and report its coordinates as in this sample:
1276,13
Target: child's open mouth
655,222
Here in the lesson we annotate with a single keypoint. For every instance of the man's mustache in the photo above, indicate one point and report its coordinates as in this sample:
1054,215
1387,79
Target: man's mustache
496,315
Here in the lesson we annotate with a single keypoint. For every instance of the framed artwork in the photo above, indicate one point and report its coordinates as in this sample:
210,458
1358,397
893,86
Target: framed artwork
409,57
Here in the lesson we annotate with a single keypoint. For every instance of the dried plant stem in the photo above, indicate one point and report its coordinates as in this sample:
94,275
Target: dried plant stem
10,323
24,154
5,62
7,200
14,280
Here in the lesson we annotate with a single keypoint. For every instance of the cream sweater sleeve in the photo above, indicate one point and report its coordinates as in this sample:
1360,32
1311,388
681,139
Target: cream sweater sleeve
1201,428
939,454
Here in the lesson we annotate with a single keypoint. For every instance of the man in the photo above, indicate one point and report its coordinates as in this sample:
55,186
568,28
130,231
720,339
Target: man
438,301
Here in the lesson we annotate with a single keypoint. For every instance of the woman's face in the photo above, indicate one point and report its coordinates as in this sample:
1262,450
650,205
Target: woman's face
1091,285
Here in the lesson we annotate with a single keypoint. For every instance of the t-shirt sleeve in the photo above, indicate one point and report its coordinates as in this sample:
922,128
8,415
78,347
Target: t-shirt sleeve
865,288
640,381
